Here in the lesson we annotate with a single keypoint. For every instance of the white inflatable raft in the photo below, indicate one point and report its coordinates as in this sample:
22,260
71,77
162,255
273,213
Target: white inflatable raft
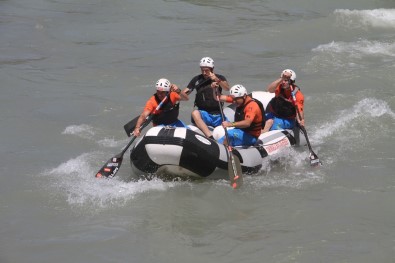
183,152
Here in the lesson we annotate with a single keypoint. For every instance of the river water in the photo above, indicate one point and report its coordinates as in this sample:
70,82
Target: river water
74,72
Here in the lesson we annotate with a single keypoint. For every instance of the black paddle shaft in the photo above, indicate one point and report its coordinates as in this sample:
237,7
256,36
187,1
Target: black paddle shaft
112,166
314,160
234,167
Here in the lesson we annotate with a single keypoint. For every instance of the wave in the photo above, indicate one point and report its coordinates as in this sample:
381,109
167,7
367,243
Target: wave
361,113
345,57
358,49
363,19
83,131
75,179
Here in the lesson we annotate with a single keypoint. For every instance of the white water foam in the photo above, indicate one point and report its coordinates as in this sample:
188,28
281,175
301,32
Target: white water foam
290,168
364,19
347,57
358,49
350,130
83,131
366,109
111,142
75,179
295,180
74,182
339,57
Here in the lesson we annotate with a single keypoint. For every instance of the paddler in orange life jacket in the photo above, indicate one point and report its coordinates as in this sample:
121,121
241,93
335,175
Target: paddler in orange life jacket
281,112
168,113
248,118
208,112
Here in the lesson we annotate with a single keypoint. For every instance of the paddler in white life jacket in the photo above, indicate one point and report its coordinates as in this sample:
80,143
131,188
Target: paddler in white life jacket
208,112
281,112
168,113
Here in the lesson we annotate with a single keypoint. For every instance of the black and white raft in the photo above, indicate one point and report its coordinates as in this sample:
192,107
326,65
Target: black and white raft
183,152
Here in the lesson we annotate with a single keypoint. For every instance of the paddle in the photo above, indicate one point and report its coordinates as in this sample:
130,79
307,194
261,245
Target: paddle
112,166
129,127
314,160
234,167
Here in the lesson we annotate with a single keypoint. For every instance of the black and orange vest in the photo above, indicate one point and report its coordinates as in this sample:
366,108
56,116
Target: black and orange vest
167,114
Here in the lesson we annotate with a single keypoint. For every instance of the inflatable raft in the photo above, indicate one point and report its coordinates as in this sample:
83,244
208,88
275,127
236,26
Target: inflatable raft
183,152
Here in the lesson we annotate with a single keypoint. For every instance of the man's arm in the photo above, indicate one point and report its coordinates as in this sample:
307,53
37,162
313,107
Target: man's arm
140,121
300,106
184,93
183,96
272,86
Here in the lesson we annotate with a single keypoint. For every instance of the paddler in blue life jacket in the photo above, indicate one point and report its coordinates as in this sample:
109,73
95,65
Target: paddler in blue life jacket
208,112
281,112
168,113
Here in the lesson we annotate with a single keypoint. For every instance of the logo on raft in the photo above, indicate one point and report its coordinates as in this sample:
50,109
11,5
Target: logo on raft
272,148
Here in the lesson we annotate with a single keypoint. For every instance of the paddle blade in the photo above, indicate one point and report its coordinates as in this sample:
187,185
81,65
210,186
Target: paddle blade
314,160
111,167
234,171
129,127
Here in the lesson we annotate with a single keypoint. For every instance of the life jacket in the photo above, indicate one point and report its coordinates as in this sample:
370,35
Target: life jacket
255,126
283,107
205,100
167,114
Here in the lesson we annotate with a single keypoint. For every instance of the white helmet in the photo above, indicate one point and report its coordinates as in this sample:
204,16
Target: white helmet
207,62
293,74
238,91
163,85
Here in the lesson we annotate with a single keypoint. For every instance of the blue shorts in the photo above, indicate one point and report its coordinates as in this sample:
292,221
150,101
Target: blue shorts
213,120
280,123
239,137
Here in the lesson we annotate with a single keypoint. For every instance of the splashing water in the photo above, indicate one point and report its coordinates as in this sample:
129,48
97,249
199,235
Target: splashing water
345,58
83,131
75,178
366,108
378,18
358,49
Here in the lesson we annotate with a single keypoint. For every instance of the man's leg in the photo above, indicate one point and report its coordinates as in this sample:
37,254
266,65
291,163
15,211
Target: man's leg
197,118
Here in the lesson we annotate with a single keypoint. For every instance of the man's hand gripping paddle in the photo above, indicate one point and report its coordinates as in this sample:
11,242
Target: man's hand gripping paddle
112,166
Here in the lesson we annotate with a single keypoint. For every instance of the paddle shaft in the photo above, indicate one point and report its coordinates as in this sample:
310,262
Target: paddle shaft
143,125
112,166
300,118
313,156
235,174
201,84
222,114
